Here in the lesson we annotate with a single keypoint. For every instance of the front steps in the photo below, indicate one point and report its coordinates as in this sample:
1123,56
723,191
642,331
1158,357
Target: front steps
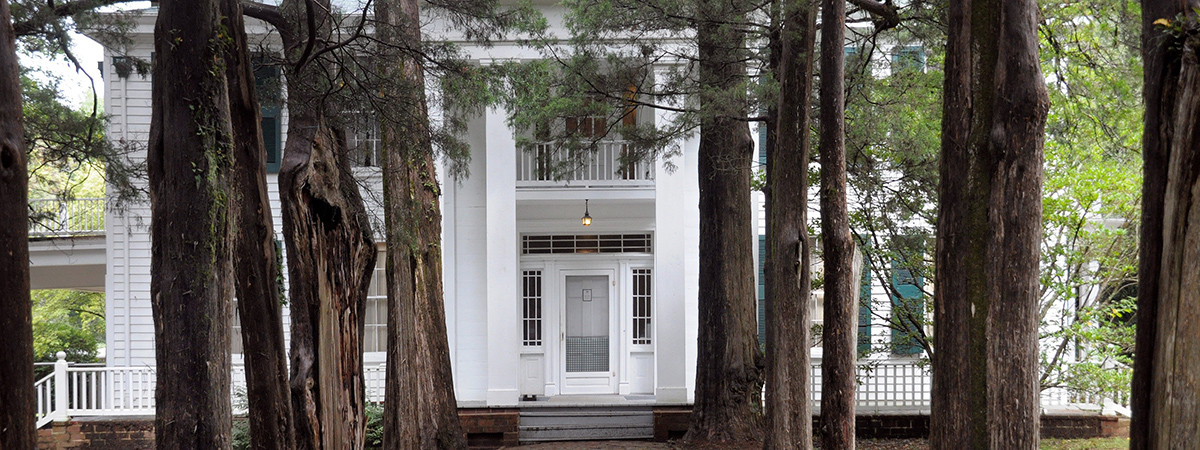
586,423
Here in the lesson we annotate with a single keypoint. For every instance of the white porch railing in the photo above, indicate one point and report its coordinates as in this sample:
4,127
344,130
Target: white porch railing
78,390
59,218
542,166
125,391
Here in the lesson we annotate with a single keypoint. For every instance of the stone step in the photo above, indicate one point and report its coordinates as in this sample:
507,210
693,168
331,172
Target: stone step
588,423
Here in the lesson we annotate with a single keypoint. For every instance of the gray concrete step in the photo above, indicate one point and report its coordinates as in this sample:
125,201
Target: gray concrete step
586,423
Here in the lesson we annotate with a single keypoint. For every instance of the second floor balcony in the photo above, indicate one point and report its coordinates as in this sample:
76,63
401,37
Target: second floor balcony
611,165
55,218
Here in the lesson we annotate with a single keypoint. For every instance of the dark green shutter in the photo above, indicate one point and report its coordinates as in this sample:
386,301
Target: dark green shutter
762,146
908,58
762,292
267,83
864,308
910,299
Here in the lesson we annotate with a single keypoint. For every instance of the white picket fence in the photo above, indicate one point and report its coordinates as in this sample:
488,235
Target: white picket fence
86,390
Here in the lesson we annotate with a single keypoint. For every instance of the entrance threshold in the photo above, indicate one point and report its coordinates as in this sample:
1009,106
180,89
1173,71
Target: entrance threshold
560,401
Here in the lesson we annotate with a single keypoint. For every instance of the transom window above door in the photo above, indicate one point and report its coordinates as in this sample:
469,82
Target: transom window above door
585,243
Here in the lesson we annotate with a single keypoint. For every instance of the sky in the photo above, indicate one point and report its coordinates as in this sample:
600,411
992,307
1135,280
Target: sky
74,87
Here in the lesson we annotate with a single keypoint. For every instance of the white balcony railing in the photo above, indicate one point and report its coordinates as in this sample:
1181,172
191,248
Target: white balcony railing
64,218
542,166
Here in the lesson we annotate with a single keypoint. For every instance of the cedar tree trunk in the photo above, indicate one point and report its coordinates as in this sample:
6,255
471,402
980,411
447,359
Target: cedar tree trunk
420,409
958,255
257,274
986,392
728,366
16,361
788,278
189,157
839,336
1165,393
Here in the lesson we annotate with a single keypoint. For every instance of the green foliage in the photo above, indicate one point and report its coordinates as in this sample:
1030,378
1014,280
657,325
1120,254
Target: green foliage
69,155
1091,201
240,439
893,139
66,147
1085,444
374,436
68,321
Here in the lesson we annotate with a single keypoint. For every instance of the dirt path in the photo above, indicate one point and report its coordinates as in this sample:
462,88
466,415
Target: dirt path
865,444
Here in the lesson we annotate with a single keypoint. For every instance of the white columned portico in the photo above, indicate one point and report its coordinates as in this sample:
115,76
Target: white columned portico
503,344
670,273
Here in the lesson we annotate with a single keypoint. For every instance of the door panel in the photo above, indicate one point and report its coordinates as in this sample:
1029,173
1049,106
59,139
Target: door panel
587,324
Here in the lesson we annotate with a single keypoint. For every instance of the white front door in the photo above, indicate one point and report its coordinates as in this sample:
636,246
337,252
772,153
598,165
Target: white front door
588,357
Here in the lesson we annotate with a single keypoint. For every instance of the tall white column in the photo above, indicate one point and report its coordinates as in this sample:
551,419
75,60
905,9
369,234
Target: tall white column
446,206
670,283
503,344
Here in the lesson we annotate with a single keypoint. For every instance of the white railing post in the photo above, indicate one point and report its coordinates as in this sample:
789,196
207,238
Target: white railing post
61,390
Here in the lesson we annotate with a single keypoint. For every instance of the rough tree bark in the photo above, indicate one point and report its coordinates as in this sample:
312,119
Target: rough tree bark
330,257
189,158
989,228
787,270
257,275
952,414
840,334
16,361
1165,393
420,408
728,366
330,251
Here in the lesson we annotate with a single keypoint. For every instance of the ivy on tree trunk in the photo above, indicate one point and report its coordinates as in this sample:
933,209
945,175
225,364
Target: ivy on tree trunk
189,160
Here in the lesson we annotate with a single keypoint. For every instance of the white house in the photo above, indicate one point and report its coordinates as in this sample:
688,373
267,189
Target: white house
537,303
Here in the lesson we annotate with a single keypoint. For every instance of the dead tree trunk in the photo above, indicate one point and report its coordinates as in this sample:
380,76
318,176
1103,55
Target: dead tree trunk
420,411
330,257
787,273
989,227
16,363
256,271
840,334
728,366
189,158
1165,383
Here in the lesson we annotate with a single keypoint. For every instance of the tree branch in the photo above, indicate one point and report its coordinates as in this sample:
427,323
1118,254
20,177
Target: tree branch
44,15
884,13
264,12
